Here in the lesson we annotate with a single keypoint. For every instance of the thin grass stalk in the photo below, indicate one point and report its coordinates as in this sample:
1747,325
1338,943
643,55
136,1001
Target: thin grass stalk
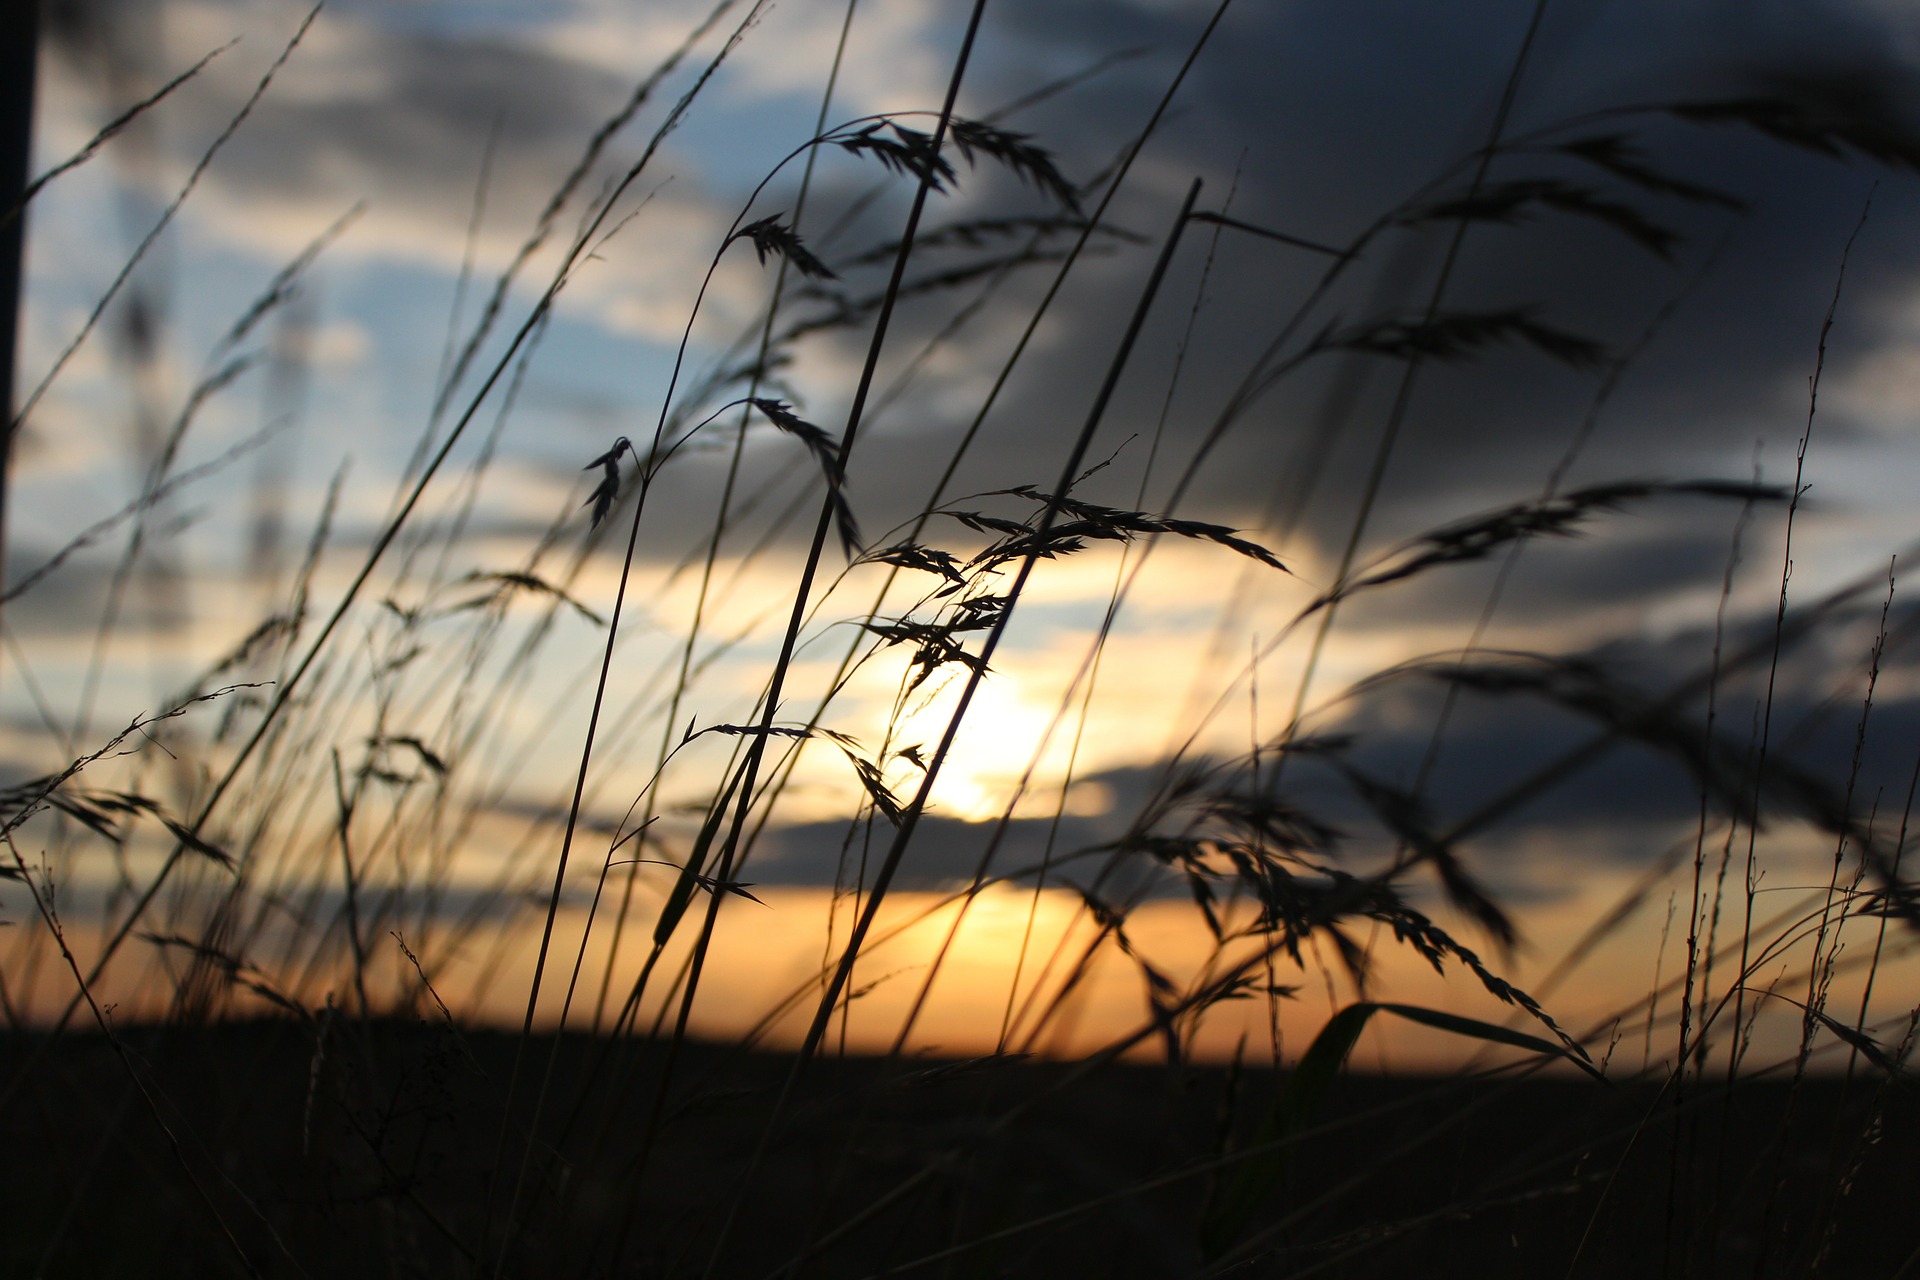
1069,471
1822,944
1703,964
1880,934
476,478
1060,277
596,146
353,893
109,131
62,741
1602,396
1780,613
152,485
725,504
391,531
1820,968
771,701
1343,260
1093,219
165,220
1699,966
847,658
1121,170
928,178
51,919
553,900
463,279
1409,378
1086,703
1594,748
1586,753
1268,370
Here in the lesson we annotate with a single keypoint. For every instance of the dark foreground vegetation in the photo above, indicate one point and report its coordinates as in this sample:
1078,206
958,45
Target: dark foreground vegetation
375,1156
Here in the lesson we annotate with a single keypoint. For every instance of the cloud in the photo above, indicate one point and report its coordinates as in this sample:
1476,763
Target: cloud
1316,90
397,112
1303,119
1620,806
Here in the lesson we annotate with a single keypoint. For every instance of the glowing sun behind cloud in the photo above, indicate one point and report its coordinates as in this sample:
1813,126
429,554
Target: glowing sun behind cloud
993,749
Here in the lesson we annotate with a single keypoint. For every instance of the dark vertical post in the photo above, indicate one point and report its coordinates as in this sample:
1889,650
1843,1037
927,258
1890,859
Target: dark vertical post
19,43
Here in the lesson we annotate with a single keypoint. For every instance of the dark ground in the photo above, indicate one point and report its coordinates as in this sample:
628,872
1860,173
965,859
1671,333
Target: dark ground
371,1160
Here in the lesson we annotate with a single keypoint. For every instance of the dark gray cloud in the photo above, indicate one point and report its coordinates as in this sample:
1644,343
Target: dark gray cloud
376,108
1313,120
1648,783
1623,805
1317,120
945,854
1321,119
74,598
1635,559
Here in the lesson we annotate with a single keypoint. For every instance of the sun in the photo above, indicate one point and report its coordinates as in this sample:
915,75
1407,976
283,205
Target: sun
996,743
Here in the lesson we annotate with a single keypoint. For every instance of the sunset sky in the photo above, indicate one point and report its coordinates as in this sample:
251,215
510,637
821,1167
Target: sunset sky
438,132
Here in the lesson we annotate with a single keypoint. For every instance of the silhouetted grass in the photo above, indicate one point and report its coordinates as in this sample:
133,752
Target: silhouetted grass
305,849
